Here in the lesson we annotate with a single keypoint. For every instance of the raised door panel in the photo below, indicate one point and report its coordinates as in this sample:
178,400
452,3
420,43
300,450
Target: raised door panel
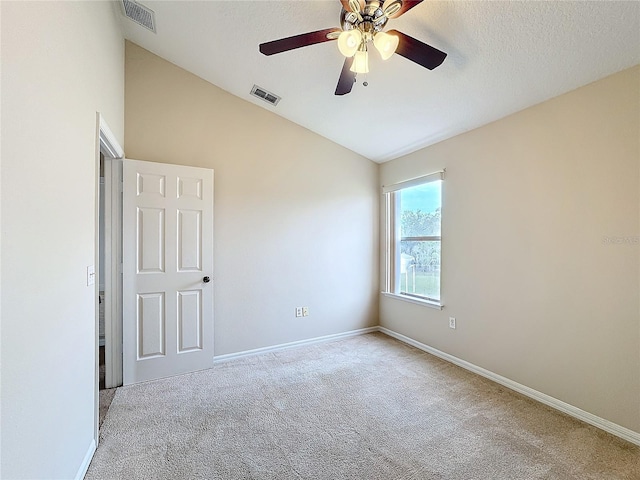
150,240
189,236
151,185
190,187
151,325
189,321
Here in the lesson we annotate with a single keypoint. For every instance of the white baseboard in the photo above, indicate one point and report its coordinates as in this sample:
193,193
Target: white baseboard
284,346
606,425
84,466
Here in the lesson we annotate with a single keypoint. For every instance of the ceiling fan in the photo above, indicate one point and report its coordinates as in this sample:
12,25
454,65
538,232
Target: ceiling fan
362,23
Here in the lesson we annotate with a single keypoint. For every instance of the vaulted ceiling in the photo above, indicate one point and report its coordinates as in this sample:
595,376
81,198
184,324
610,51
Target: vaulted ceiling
503,56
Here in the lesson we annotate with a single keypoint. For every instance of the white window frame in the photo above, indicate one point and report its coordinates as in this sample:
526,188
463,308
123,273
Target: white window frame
392,234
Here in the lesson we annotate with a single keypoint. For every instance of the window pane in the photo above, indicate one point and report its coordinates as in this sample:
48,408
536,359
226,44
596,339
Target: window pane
420,210
420,268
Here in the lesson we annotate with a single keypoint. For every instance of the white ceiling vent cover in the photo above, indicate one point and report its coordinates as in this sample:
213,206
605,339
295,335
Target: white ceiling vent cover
268,97
139,14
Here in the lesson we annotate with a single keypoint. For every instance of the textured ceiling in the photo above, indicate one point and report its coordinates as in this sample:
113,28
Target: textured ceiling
503,56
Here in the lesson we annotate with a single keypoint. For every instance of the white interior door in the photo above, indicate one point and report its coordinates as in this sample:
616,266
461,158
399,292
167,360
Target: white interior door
167,255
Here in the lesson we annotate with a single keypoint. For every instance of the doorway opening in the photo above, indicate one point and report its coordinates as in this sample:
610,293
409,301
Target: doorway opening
109,287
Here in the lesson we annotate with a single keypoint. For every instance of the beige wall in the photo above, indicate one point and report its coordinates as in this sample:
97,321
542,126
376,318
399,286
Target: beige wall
61,63
296,216
529,203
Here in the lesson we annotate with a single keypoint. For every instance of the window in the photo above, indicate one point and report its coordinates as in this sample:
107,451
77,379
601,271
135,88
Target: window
414,213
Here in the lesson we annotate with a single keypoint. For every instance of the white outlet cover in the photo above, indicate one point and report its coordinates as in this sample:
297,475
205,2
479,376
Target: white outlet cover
452,322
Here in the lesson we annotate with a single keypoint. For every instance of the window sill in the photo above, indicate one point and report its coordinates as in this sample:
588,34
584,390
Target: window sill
405,298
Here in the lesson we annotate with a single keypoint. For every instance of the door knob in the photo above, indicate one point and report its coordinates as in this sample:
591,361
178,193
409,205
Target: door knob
206,279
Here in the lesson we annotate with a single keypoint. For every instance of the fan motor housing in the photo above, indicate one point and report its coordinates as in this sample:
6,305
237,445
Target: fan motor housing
373,18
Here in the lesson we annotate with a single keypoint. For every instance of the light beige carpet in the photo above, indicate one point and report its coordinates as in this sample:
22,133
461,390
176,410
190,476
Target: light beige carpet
106,397
367,407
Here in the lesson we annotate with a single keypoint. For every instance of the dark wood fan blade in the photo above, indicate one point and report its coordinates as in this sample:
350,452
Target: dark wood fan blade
406,5
418,52
297,41
347,77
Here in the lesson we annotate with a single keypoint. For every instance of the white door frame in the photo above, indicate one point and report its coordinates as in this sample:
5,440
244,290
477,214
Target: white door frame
111,150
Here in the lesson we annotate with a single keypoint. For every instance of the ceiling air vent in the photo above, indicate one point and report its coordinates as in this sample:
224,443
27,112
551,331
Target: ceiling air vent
268,97
139,14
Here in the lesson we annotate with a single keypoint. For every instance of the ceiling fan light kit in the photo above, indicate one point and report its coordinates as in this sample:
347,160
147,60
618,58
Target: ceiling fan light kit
386,44
349,41
360,62
362,21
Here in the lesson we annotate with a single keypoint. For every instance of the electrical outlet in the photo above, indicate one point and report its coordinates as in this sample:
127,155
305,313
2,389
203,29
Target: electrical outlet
452,322
298,311
305,311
